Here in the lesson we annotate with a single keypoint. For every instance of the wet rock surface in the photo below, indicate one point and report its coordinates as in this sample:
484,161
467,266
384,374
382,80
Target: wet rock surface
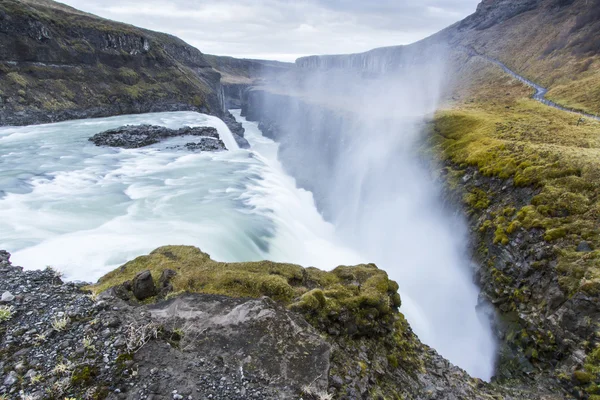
237,129
545,332
135,136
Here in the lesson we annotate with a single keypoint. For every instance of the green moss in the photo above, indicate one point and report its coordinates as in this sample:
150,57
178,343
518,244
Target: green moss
477,199
500,236
513,227
128,76
81,46
17,79
555,234
486,225
83,375
361,299
535,146
582,377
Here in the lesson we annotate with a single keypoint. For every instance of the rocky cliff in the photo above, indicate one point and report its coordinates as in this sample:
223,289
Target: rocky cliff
237,75
58,63
177,325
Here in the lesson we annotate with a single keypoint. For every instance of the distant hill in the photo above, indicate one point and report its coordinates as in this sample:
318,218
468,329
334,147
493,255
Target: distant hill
555,43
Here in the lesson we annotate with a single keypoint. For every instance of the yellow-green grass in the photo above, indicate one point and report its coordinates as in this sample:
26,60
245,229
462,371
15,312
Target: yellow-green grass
537,146
364,291
550,46
582,94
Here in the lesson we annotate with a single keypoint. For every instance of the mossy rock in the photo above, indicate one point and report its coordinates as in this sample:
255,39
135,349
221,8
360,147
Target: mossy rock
356,300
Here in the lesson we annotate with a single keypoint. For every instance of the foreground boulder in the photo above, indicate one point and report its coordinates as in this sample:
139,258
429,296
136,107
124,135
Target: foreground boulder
143,285
281,332
135,136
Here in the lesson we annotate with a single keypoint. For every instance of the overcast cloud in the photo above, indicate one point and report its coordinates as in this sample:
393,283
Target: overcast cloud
286,29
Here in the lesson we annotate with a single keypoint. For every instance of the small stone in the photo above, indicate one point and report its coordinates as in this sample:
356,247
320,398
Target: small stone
11,379
30,374
7,297
584,247
337,382
20,367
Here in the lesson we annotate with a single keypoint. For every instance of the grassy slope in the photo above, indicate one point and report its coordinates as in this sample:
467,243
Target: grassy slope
361,290
356,305
562,51
355,308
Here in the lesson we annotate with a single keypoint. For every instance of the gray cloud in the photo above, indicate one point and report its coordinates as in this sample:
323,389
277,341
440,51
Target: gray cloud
286,29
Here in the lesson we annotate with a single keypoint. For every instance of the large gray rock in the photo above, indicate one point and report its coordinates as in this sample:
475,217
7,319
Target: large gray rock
143,285
247,336
135,136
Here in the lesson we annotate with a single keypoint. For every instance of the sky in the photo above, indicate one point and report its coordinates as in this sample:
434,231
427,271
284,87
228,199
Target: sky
286,29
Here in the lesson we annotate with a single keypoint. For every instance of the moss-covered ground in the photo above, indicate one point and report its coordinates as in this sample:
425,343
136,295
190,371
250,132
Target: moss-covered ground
362,296
355,307
537,146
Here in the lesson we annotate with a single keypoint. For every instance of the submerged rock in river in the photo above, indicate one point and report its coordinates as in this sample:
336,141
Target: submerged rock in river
135,136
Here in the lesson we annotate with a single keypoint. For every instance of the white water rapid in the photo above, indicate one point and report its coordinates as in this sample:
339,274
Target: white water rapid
86,210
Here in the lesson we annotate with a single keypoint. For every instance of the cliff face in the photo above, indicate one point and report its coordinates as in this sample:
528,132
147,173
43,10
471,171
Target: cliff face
524,174
58,63
237,75
280,332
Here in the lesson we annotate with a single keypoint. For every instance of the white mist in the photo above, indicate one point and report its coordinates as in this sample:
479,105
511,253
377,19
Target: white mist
353,140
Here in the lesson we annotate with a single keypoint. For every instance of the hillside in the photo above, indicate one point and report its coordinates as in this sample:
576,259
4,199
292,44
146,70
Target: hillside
58,63
177,324
552,42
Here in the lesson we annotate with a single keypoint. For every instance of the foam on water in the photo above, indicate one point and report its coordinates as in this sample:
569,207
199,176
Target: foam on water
85,209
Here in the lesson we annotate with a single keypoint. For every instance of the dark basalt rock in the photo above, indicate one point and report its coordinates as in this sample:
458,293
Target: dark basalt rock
136,136
164,282
143,285
237,129
205,144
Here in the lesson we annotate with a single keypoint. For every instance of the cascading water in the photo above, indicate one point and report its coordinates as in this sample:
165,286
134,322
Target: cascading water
353,141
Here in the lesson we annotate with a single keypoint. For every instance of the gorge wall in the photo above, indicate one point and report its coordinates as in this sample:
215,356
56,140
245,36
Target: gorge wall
58,63
353,145
535,251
